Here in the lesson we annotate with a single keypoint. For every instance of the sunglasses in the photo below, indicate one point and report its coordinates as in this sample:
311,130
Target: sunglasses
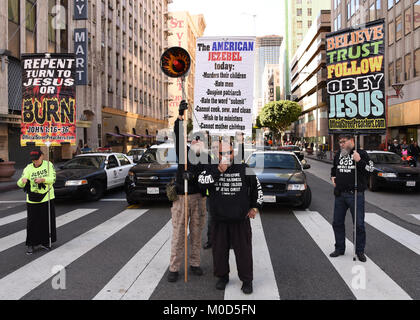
227,153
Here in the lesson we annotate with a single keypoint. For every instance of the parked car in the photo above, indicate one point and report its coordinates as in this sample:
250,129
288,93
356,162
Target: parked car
135,154
390,170
148,179
90,175
282,177
295,149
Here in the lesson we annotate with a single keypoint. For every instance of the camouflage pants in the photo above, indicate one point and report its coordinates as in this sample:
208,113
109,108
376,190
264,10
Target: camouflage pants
196,221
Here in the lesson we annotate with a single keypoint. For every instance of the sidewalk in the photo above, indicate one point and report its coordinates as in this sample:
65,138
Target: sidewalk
327,159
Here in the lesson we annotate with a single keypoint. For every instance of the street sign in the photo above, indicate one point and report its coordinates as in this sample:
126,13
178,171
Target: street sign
356,79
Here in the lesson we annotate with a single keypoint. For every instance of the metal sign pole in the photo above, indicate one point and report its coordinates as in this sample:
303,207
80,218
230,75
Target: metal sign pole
185,185
48,143
355,202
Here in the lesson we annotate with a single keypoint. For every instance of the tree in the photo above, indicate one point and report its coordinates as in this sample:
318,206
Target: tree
279,115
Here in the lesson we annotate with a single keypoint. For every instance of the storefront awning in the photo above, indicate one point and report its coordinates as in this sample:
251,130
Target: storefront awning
130,135
114,134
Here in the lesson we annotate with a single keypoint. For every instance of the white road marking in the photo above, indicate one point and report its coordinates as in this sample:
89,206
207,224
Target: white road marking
264,284
13,218
403,236
129,282
12,201
19,283
112,200
417,216
379,286
20,236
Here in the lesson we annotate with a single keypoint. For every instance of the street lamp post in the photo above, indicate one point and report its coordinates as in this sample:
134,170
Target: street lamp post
397,87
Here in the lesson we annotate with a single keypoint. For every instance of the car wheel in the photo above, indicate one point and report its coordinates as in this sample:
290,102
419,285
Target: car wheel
373,185
307,199
96,191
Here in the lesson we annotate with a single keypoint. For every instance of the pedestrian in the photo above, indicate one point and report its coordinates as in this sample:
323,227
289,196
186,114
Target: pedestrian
38,179
414,151
235,196
395,147
343,179
214,155
196,202
78,149
86,148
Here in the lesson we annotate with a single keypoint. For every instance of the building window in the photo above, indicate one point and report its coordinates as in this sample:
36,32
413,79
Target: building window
391,74
417,14
391,33
352,7
299,24
372,11
30,12
348,11
14,11
398,28
14,28
309,23
339,21
390,4
407,21
417,63
299,12
398,70
309,12
407,67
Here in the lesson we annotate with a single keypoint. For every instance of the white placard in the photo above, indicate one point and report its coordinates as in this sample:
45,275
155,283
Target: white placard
224,85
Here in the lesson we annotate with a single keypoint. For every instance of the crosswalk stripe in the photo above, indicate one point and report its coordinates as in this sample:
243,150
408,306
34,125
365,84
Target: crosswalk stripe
264,284
129,282
13,218
403,236
417,216
379,286
19,283
20,236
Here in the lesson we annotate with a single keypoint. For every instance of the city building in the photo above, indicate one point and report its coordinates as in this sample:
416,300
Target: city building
308,82
299,17
271,84
267,52
121,96
402,58
184,29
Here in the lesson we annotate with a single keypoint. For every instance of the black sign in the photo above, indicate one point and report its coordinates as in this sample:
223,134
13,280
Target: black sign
356,79
80,9
80,49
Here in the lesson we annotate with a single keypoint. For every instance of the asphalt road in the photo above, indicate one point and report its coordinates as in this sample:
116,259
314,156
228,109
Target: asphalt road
110,251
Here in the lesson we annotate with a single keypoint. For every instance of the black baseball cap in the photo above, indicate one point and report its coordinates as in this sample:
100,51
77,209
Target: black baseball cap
36,154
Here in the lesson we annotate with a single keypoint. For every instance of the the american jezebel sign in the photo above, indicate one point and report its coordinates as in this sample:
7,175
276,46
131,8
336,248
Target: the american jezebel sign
356,79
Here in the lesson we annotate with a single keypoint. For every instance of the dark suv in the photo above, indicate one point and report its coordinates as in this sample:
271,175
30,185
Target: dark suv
148,179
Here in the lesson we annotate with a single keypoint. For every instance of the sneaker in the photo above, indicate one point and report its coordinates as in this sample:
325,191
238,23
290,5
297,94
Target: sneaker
361,256
247,287
207,246
46,248
336,253
173,276
196,270
30,250
222,282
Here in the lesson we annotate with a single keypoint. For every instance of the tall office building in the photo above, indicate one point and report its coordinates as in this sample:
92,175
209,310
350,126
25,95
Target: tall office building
268,52
121,91
402,58
299,17
184,30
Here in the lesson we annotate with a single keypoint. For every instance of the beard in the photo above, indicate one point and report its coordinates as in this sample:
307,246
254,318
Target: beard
344,152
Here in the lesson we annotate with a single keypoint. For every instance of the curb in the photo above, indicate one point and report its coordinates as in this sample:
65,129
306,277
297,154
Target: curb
9,187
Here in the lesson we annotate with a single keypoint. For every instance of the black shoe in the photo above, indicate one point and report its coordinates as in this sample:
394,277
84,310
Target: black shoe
46,248
30,250
173,276
207,246
197,271
221,284
361,256
336,253
247,287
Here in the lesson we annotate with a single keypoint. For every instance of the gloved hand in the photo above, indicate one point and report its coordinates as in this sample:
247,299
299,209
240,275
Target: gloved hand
183,105
188,176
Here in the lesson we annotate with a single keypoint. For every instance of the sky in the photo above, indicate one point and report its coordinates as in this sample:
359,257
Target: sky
235,17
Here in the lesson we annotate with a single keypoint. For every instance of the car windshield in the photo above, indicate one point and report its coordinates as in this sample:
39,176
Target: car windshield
86,162
159,155
273,161
385,158
135,152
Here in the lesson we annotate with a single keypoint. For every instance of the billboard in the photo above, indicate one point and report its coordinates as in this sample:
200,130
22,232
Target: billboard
48,99
356,79
224,85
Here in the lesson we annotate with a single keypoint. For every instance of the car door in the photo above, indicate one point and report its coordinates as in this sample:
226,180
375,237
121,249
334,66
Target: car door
112,170
125,165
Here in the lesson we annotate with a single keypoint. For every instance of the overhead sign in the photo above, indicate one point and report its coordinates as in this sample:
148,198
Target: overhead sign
224,85
81,51
80,9
48,99
356,79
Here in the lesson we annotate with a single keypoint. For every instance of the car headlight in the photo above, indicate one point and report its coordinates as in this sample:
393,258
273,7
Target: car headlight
387,174
73,183
296,187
